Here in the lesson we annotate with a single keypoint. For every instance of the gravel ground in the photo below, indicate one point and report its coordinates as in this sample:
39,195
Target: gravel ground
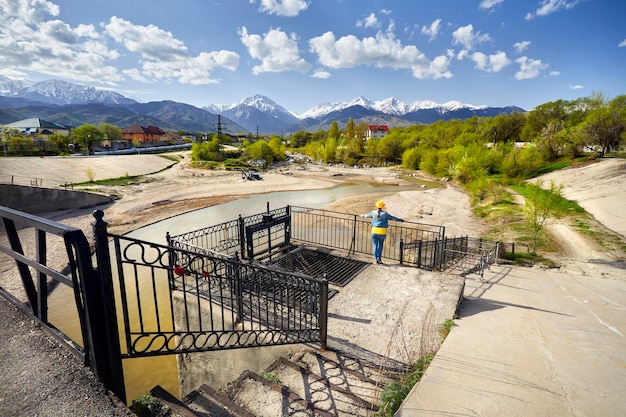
40,377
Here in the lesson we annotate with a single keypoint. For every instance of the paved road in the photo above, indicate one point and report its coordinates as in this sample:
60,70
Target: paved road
532,342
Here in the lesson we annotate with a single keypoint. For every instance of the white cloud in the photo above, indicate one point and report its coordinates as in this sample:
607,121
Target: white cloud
150,41
29,10
547,7
381,51
136,75
191,70
166,58
622,43
491,63
529,68
32,40
466,37
433,30
276,51
521,46
288,8
464,53
369,22
321,73
554,73
576,87
489,4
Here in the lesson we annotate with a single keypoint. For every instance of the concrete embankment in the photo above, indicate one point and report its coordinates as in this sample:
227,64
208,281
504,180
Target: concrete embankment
35,200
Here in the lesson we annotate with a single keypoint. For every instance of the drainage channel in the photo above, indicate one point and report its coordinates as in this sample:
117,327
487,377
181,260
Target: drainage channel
319,263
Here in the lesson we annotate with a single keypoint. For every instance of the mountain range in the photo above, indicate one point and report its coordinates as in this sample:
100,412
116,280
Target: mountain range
70,104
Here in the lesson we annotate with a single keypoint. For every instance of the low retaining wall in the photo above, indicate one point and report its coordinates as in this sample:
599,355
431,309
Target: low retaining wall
35,200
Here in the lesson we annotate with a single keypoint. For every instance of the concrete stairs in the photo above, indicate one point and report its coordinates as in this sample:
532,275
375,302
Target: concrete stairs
309,383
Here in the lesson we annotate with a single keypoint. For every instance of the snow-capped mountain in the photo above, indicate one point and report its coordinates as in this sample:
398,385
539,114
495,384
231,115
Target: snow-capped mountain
257,112
323,109
391,106
66,103
59,92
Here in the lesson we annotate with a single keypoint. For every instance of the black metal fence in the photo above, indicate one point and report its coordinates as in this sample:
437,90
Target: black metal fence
352,233
258,236
178,298
266,235
92,290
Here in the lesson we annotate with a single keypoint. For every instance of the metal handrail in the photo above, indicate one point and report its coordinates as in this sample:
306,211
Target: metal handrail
94,303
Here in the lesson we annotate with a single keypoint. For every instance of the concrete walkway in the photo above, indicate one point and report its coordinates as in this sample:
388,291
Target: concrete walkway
531,342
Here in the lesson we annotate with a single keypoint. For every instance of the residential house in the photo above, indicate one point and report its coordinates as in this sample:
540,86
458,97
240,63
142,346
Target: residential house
145,135
376,131
37,127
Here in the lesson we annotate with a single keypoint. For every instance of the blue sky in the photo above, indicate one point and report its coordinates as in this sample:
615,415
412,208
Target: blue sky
301,53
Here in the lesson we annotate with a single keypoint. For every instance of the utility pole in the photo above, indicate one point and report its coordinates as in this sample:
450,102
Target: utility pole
219,128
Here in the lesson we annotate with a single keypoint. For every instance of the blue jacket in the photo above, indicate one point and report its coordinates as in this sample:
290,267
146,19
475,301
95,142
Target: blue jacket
381,219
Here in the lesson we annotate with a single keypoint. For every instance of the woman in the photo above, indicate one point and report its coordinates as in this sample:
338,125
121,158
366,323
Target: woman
380,222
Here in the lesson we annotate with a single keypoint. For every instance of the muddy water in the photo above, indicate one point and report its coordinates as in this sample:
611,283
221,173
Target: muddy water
142,374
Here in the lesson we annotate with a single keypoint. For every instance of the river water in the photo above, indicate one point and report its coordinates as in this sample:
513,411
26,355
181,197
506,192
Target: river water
142,374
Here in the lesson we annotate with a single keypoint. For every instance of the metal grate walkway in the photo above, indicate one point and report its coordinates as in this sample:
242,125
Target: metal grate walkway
319,263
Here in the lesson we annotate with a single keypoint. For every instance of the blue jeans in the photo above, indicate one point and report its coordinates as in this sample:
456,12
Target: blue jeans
377,243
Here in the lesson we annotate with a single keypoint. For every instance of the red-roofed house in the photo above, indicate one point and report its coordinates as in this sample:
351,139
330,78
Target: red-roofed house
146,135
377,131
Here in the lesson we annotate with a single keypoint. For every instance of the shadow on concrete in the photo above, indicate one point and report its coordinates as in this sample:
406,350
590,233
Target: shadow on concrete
471,306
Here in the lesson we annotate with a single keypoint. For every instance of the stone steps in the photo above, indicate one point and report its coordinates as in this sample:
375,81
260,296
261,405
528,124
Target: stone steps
309,383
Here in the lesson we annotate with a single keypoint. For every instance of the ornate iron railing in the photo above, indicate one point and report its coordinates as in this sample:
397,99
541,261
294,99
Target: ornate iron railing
178,299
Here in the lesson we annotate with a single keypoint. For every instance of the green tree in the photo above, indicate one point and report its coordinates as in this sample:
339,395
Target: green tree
605,126
544,125
542,205
206,151
87,136
8,133
110,131
334,132
390,147
299,139
350,131
20,145
260,150
330,150
278,149
60,142
522,163
411,158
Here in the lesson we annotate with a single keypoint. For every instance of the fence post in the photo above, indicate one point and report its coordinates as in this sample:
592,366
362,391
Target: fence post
401,251
171,260
324,314
102,316
288,227
235,275
242,237
42,285
419,254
